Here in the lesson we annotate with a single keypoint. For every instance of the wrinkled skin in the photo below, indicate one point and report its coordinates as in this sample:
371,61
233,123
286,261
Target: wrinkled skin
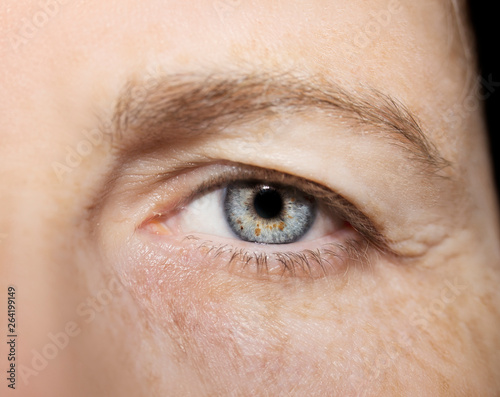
135,319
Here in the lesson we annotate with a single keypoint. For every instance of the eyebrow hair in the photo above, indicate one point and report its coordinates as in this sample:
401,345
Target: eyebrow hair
186,106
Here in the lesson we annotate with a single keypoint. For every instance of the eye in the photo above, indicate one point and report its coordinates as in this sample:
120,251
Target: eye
268,213
270,222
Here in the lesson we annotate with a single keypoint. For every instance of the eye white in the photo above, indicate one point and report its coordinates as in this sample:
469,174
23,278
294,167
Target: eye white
205,215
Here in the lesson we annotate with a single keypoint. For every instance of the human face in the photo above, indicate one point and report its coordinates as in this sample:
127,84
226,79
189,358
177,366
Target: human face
114,113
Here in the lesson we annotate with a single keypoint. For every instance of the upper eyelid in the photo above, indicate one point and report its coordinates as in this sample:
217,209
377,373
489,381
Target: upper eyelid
131,139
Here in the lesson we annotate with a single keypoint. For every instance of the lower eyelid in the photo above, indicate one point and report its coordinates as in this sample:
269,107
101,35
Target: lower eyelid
328,257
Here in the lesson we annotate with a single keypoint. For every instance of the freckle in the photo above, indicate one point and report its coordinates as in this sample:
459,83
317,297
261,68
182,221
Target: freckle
257,232
239,221
291,217
281,225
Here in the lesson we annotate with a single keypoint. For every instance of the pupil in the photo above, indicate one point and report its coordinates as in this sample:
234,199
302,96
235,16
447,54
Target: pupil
268,203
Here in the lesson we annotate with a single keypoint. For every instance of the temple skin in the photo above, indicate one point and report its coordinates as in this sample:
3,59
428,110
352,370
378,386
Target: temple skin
107,305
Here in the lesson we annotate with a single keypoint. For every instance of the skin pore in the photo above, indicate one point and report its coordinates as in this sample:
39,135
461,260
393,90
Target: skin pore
116,112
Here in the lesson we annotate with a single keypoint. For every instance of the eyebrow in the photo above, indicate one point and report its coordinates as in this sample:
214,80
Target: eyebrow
177,107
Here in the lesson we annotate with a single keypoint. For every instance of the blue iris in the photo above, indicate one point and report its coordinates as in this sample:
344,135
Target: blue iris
268,213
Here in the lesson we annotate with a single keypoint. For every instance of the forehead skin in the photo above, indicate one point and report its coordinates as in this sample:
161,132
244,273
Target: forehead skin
57,77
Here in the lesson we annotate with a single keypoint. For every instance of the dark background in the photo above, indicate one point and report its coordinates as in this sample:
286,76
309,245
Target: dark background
486,24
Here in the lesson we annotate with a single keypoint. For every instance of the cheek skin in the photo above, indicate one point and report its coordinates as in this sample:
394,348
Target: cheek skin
364,331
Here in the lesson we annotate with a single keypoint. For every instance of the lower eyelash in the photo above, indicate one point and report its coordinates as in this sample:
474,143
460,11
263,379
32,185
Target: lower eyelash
329,259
